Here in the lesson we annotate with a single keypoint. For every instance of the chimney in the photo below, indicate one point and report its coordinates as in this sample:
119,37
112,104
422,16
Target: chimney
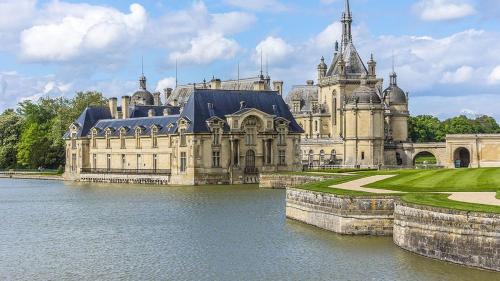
167,92
125,105
310,82
113,107
157,99
215,84
151,113
278,87
259,85
166,112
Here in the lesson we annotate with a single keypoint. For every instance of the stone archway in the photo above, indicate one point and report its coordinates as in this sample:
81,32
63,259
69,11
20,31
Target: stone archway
425,158
462,157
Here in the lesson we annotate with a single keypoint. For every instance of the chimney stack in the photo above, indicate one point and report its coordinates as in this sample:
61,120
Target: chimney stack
151,113
310,82
278,87
167,92
259,85
157,99
125,105
113,107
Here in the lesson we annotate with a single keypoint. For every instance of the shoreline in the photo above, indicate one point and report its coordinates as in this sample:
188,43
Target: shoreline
31,177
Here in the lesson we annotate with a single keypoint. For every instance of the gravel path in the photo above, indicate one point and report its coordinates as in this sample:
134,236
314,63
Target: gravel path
486,198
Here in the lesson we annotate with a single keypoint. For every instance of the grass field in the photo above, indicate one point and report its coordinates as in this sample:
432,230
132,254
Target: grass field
418,184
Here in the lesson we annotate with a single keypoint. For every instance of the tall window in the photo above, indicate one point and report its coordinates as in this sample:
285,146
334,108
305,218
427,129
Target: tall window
281,136
124,162
311,157
250,159
94,161
73,162
216,136
182,133
154,137
139,161
250,136
321,157
73,140
282,158
216,159
316,125
122,139
333,156
108,162
108,139
183,164
138,138
296,106
155,162
269,153
236,156
94,140
363,155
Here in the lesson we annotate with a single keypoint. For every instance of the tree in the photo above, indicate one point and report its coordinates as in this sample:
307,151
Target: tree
459,125
425,128
486,125
10,131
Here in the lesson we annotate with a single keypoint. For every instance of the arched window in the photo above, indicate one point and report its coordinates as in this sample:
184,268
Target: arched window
311,157
94,141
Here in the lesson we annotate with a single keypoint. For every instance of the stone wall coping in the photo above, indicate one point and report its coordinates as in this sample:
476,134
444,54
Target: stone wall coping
447,210
353,197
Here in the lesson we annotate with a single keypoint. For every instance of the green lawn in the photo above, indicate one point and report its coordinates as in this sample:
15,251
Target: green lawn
419,182
485,179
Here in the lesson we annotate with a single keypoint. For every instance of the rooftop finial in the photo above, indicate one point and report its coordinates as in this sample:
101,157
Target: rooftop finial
142,65
261,64
394,76
142,80
176,74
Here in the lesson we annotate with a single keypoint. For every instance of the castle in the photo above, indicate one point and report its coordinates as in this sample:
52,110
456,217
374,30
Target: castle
231,131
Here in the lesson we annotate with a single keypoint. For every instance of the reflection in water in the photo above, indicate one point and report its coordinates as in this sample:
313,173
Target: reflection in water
68,231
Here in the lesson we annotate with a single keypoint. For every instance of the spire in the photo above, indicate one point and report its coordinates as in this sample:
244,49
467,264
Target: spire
346,24
142,80
394,76
261,65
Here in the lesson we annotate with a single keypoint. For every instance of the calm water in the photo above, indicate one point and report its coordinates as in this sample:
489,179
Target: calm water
51,230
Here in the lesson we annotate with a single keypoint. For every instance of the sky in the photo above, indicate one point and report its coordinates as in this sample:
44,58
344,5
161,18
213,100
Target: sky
446,51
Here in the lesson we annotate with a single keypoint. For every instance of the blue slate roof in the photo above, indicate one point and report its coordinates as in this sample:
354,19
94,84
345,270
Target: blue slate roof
197,111
226,102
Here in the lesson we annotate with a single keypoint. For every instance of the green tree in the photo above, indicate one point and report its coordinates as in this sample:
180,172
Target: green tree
459,125
10,131
425,128
486,125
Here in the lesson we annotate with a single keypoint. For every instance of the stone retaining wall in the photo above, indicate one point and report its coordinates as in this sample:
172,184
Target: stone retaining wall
133,179
282,181
466,238
341,214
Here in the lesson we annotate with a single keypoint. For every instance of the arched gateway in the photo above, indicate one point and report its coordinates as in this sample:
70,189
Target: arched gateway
461,157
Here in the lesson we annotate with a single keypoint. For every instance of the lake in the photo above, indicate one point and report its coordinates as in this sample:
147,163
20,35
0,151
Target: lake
70,231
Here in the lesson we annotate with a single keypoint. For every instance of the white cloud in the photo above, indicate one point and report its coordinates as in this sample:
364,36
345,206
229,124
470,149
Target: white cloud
81,30
441,10
206,48
494,77
164,83
275,50
259,5
232,22
461,75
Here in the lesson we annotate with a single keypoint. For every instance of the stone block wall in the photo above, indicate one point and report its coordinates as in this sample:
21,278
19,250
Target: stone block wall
467,238
282,181
341,214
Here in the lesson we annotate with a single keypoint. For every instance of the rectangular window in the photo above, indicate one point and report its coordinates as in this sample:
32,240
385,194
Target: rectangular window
215,159
124,162
137,139
94,161
73,162
250,137
108,162
154,137
122,141
216,136
282,158
183,164
73,141
183,137
155,162
362,156
269,156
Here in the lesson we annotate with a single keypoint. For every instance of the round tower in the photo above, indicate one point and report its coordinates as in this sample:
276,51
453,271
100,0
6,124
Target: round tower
364,127
397,101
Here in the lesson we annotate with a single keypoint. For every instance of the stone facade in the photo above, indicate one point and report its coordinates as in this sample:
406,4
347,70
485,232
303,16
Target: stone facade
214,137
341,214
283,181
467,238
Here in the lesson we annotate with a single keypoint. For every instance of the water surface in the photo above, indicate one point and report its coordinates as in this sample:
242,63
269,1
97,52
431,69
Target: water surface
65,231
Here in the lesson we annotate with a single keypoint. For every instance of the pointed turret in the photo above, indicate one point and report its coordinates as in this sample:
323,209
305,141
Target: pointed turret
346,25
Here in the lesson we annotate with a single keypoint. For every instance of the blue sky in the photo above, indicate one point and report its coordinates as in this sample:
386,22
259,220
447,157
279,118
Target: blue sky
446,50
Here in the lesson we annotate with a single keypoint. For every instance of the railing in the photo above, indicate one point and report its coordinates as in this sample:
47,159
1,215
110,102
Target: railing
127,171
251,171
